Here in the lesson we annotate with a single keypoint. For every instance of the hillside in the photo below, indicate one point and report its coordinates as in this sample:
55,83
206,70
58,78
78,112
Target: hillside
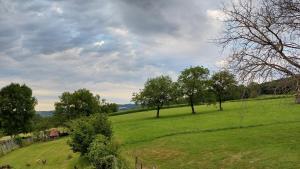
45,113
247,134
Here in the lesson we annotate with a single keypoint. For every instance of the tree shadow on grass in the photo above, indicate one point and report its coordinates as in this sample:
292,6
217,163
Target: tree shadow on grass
182,115
213,130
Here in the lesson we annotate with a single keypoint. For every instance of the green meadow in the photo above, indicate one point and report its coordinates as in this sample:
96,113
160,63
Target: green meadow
262,133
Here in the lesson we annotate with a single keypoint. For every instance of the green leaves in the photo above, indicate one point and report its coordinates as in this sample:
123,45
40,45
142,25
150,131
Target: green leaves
156,93
16,108
85,129
80,103
193,80
222,82
193,83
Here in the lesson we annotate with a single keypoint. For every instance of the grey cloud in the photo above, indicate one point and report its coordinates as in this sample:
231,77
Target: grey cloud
50,44
160,17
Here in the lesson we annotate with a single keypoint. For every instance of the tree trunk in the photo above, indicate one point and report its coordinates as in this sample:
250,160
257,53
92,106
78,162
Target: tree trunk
192,105
157,112
297,96
220,103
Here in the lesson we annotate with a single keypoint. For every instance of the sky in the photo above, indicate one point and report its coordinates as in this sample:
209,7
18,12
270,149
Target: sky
110,47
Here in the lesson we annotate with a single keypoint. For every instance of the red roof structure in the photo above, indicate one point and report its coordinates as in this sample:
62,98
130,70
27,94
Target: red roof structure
54,133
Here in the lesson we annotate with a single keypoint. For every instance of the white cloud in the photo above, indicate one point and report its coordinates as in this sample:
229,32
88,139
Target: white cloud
99,43
119,31
57,9
215,14
222,64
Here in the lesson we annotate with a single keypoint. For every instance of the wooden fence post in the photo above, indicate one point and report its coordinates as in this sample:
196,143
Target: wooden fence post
136,162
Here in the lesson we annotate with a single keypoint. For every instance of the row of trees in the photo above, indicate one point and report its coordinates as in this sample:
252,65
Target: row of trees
18,115
194,85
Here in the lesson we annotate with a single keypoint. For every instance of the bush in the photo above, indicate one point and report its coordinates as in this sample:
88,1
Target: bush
101,124
18,140
104,154
84,130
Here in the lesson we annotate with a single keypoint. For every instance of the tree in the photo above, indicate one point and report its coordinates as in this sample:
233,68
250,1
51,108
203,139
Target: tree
193,83
105,154
80,103
16,109
85,129
254,89
222,83
156,93
42,123
176,94
109,107
263,36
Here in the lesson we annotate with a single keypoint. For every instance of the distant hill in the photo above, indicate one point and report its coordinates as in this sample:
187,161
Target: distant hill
122,107
127,106
45,113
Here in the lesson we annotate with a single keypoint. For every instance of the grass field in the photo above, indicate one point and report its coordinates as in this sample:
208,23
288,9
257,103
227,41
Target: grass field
248,134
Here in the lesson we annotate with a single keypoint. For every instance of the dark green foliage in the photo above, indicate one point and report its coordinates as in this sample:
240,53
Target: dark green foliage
222,84
80,103
254,90
237,92
109,107
16,109
156,93
105,154
177,94
84,130
193,84
280,86
43,123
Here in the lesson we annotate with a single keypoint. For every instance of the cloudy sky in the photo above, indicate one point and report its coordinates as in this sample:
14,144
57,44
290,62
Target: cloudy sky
108,46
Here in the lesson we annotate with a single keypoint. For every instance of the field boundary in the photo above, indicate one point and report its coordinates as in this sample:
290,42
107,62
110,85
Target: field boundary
211,130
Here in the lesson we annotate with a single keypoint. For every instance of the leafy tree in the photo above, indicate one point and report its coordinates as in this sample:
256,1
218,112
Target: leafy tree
254,89
85,129
73,105
156,93
176,94
43,123
105,154
193,83
16,109
109,107
222,84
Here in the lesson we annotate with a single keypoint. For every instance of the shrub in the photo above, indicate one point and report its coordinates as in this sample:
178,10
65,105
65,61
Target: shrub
104,154
101,124
18,140
84,130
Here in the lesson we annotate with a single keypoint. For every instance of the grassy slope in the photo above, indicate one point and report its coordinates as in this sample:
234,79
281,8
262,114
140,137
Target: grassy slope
268,138
55,152
252,134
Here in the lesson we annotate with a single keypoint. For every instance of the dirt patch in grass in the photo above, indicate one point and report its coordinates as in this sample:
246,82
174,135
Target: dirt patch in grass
240,157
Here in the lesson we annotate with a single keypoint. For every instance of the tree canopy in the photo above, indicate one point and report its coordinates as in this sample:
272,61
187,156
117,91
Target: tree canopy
193,83
222,84
156,93
79,103
16,109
